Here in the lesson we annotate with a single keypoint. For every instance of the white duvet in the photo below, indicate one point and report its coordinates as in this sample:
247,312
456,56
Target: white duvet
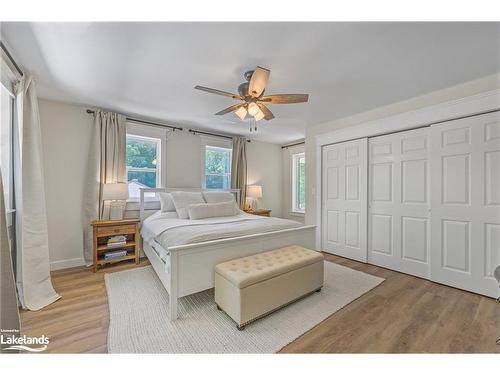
168,230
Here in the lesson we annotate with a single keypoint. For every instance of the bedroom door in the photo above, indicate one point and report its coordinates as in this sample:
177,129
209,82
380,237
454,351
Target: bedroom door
465,183
344,200
399,203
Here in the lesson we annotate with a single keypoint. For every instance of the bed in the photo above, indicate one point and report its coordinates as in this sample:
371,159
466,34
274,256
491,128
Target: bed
183,252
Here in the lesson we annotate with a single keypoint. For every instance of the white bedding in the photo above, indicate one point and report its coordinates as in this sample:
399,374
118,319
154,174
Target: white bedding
168,230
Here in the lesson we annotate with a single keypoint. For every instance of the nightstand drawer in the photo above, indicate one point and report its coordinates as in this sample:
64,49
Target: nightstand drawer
115,229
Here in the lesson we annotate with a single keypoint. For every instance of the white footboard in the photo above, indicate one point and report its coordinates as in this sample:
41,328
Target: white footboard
192,266
196,262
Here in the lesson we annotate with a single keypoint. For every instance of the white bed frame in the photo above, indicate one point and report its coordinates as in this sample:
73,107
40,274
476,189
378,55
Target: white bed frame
192,266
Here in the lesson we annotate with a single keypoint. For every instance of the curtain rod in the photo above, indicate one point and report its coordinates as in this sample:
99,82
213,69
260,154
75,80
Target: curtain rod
171,127
294,144
212,134
11,58
145,122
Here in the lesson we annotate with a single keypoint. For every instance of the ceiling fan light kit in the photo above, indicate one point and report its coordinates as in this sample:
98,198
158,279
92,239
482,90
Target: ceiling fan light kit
259,115
253,109
241,113
251,93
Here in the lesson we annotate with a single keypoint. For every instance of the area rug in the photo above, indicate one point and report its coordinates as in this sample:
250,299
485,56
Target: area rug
139,322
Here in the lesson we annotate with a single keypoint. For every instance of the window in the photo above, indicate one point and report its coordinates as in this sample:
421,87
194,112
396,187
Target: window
298,180
6,160
217,171
143,164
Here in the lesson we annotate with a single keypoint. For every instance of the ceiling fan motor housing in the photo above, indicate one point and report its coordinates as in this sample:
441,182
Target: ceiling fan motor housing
248,75
243,89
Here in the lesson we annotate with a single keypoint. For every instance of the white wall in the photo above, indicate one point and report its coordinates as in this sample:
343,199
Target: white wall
264,167
183,160
455,92
287,154
66,131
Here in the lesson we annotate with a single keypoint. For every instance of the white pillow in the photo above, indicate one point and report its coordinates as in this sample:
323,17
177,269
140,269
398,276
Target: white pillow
166,202
218,196
182,200
204,210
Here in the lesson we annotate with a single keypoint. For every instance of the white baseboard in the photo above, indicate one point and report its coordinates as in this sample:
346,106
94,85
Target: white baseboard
66,263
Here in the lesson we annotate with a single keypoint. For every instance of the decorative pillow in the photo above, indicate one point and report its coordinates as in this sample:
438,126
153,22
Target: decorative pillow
166,202
204,210
218,196
182,200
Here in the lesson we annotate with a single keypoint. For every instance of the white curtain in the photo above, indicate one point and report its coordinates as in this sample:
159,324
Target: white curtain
32,244
106,164
239,168
9,314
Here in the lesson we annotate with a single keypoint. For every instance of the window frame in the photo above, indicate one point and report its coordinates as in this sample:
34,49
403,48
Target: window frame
295,182
159,136
215,143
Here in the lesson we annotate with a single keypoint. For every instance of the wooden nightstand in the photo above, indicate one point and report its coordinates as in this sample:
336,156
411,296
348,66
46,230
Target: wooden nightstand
104,229
260,212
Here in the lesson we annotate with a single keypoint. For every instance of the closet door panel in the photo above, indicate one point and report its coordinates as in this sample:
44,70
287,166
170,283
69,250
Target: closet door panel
414,239
465,174
344,201
398,222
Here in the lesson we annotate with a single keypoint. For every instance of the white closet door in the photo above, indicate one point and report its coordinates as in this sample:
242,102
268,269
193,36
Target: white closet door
345,199
466,203
398,213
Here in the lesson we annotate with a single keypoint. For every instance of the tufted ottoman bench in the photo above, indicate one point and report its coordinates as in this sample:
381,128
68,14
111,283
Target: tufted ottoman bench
251,287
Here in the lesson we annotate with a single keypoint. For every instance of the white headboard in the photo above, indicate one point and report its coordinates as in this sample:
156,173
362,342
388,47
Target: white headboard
145,211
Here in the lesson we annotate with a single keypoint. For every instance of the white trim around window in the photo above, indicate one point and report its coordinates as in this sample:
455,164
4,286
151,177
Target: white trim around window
214,142
288,185
297,158
153,134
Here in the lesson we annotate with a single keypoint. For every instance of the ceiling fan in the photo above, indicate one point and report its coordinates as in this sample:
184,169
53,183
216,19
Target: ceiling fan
251,93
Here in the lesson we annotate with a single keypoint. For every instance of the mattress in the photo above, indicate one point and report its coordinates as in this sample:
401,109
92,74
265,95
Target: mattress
168,230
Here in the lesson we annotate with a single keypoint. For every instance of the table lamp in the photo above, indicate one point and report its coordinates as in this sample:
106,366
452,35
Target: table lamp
254,192
115,192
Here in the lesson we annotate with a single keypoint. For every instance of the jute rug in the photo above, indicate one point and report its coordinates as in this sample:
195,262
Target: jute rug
139,322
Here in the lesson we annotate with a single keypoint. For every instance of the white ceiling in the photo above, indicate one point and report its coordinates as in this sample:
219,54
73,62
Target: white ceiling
150,69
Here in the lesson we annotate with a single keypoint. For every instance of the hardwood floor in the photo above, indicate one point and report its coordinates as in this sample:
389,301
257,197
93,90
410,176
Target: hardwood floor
404,314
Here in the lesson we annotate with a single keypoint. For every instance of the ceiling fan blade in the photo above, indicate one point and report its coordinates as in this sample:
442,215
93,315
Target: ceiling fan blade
285,98
230,109
258,81
268,115
218,92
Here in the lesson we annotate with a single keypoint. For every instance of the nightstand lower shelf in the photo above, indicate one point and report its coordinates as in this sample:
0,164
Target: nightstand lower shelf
111,261
105,247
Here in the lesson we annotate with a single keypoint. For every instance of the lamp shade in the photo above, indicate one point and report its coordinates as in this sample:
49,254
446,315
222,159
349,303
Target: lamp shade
115,192
254,191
